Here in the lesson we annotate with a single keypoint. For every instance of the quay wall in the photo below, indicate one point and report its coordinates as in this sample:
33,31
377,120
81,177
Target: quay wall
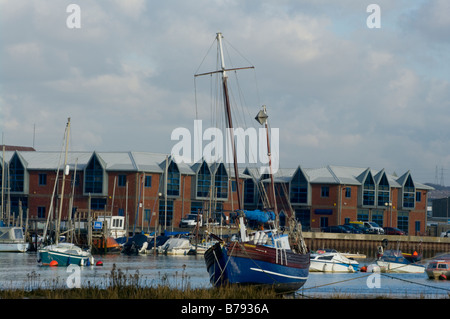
368,244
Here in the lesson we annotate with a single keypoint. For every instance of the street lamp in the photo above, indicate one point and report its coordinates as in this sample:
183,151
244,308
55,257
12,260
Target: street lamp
389,204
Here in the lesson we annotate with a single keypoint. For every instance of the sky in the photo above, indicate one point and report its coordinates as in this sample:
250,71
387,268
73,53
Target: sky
339,91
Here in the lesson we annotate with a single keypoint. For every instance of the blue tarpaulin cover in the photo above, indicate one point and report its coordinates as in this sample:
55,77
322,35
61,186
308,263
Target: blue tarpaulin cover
259,215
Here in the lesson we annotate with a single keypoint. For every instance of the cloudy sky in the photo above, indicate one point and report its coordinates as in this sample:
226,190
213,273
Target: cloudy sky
340,93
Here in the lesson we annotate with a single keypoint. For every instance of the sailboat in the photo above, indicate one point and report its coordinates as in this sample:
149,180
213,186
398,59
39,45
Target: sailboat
61,253
269,257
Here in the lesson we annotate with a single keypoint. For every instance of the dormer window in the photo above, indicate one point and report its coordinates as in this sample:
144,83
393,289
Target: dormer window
93,178
299,189
383,191
369,191
173,180
203,181
221,182
409,193
17,174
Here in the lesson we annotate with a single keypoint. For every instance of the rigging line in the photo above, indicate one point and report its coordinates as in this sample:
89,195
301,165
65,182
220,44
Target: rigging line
204,58
412,282
242,56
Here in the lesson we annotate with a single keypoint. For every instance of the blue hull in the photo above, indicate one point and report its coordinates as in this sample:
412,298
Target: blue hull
226,266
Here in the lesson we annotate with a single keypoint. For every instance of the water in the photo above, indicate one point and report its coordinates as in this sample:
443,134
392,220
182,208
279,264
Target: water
22,271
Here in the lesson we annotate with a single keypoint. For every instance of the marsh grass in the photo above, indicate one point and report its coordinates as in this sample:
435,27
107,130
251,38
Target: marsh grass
123,285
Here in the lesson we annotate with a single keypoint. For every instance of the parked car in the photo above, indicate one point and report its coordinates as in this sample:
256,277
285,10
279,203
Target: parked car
352,229
445,233
335,229
393,231
359,226
368,227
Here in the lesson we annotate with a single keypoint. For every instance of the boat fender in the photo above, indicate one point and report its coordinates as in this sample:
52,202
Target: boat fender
363,269
442,277
53,263
385,242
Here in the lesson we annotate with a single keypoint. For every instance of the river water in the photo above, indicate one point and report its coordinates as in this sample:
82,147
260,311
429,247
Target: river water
21,270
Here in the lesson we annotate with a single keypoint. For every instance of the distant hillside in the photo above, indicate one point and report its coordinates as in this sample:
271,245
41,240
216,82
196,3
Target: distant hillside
438,192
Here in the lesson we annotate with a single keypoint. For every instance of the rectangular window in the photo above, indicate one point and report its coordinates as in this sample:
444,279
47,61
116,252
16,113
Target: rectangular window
402,221
325,191
148,181
42,179
348,192
98,203
418,196
233,186
41,212
377,216
323,222
165,219
417,226
122,180
196,207
147,215
362,215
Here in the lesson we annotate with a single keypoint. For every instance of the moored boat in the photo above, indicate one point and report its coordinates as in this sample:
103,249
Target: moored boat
176,246
332,261
106,245
439,268
12,240
65,254
397,262
62,254
269,258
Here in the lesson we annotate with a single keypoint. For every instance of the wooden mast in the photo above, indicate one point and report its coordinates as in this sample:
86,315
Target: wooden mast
229,119
224,70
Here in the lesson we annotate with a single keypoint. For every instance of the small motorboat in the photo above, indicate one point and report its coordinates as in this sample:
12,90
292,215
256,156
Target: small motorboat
439,268
176,246
332,261
398,262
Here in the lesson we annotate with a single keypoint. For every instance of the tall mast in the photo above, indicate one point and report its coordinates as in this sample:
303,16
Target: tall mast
63,182
229,119
228,109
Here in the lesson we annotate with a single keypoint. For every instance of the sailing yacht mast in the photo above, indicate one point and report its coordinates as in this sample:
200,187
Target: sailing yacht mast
226,98
229,119
63,183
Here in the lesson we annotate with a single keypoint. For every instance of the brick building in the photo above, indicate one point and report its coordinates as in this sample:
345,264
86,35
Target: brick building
334,195
133,184
129,184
